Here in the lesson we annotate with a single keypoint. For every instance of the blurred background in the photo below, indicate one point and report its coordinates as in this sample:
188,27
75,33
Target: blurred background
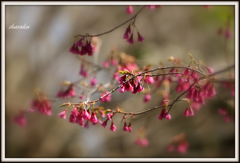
38,58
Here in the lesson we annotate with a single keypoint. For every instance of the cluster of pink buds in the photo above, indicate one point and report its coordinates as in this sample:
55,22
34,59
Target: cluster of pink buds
190,75
79,115
107,98
127,128
164,114
128,35
82,47
208,90
42,105
141,141
133,85
69,92
129,9
195,93
109,118
180,142
188,112
226,115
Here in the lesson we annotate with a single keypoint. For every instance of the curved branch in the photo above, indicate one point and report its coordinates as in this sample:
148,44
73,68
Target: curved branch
115,27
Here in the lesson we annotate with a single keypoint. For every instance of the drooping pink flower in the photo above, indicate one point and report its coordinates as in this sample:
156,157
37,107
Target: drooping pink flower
182,147
73,115
93,82
109,116
149,80
129,127
69,92
186,113
79,42
164,114
140,38
42,105
167,116
194,75
83,71
130,39
144,142
93,118
125,127
86,114
186,72
195,105
129,9
104,124
147,97
113,127
191,112
20,119
62,114
210,70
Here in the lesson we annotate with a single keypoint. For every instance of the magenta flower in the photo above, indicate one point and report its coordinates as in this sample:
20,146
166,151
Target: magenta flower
129,9
129,127
79,42
147,97
20,119
191,113
149,80
125,127
186,72
186,113
140,38
109,116
144,142
104,124
62,114
93,118
228,33
122,89
167,116
182,147
107,98
190,93
194,75
43,106
93,82
130,40
210,70
112,127
73,116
